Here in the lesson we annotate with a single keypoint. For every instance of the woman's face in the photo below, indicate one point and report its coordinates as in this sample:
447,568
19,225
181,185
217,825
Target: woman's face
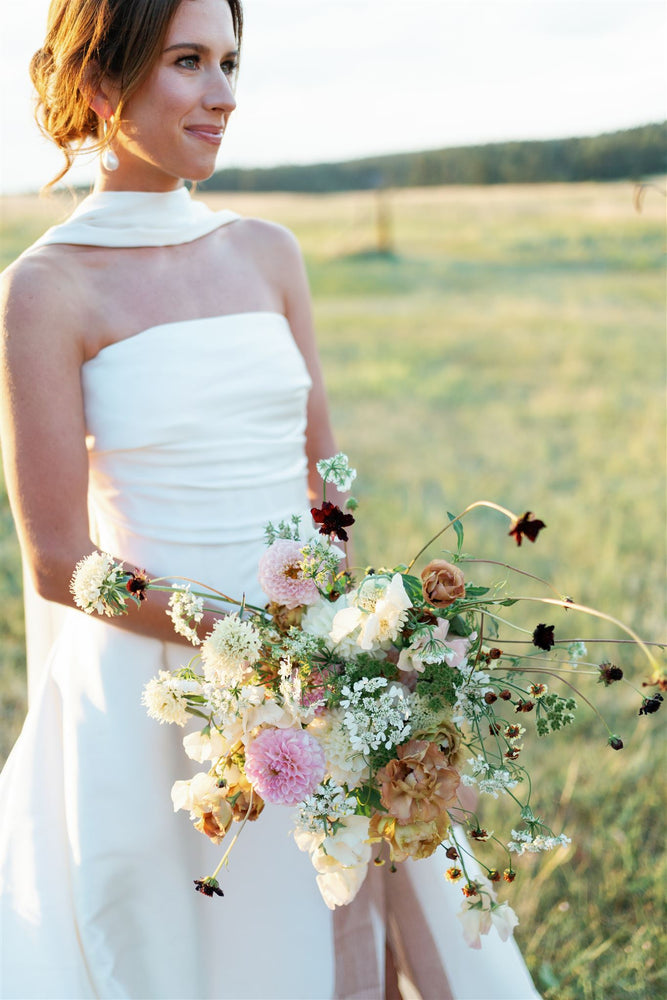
173,124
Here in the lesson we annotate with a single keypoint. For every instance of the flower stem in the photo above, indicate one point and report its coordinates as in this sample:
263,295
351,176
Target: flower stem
208,592
459,517
596,614
515,569
225,856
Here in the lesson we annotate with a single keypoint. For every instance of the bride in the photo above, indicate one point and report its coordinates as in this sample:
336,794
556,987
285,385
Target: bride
161,400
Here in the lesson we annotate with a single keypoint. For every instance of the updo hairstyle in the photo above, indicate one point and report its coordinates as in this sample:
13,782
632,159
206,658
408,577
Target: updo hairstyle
86,42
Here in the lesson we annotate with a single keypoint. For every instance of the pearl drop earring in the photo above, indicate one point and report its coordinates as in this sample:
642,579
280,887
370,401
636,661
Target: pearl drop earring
109,158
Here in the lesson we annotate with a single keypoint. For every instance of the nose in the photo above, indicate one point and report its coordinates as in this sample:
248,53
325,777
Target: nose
219,94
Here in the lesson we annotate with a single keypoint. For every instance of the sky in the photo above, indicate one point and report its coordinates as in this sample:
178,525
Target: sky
325,80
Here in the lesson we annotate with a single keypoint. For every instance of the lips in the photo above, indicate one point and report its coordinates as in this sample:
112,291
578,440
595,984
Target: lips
211,134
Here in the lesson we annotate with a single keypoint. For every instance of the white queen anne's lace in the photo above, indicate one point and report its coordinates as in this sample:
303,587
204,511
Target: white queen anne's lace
375,720
525,842
328,803
185,608
490,780
337,470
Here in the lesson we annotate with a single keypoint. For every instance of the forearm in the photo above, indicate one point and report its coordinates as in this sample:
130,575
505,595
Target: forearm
52,575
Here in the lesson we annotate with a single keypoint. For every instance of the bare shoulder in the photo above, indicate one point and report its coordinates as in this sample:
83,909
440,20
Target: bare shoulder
272,246
40,300
260,234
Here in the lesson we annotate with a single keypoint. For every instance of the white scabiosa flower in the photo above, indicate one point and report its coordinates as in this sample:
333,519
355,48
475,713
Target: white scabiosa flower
98,584
228,651
377,613
165,699
318,621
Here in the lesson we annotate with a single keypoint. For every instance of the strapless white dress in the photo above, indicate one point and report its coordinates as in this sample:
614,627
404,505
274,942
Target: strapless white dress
195,433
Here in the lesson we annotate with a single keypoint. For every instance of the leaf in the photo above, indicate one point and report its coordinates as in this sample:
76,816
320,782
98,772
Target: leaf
475,591
413,588
458,528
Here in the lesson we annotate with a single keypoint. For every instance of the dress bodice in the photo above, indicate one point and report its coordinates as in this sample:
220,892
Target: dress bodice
196,429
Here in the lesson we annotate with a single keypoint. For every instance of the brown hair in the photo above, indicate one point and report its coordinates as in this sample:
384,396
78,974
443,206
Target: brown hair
86,41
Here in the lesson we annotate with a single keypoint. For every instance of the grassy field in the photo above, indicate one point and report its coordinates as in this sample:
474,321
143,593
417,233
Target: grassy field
511,347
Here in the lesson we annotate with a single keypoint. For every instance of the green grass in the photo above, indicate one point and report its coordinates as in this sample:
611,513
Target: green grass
511,348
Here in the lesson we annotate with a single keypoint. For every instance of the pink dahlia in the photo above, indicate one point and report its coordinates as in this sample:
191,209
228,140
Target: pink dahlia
281,578
285,765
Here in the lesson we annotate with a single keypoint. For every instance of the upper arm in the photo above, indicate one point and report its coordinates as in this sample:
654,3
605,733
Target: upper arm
41,413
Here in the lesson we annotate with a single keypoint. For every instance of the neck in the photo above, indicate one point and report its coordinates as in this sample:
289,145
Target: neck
129,180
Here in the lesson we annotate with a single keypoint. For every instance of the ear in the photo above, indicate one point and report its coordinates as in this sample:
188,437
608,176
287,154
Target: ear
101,105
98,94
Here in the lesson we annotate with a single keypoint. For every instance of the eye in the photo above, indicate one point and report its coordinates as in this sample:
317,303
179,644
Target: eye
229,67
188,62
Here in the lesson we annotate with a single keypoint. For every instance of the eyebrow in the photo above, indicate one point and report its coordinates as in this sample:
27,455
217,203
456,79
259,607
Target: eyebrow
196,47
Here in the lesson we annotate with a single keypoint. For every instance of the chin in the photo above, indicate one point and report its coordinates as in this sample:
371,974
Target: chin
200,175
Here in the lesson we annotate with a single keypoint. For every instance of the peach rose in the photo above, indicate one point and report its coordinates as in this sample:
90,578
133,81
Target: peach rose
442,583
418,786
239,797
215,824
409,840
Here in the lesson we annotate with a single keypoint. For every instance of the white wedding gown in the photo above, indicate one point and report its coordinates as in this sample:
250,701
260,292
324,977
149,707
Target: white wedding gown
195,433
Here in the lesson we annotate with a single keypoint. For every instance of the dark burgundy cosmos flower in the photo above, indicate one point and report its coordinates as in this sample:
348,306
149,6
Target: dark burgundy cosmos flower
138,584
615,742
208,886
526,525
651,705
543,636
609,673
332,519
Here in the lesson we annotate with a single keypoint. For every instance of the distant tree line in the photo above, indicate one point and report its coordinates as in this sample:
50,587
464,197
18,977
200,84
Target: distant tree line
634,153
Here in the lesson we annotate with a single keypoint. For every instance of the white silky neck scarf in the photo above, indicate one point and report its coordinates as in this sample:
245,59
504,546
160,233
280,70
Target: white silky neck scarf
137,219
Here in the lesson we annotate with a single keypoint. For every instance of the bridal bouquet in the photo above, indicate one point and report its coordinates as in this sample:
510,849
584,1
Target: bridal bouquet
367,702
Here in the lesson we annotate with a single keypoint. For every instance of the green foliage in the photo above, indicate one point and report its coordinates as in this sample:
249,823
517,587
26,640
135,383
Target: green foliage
554,712
436,685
